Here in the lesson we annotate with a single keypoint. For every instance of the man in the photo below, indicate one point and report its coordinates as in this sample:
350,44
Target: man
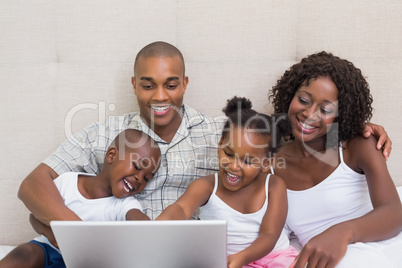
188,140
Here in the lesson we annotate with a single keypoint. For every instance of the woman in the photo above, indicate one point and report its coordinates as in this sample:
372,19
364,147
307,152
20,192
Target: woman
339,188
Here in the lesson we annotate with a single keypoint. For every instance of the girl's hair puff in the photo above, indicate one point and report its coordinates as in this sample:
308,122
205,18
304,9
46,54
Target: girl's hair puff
240,114
354,98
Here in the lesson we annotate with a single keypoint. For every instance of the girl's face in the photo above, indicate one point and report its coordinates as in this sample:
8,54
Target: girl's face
313,109
242,156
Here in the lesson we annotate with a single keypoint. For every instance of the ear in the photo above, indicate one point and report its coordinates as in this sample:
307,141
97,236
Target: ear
185,83
220,141
134,85
266,164
111,154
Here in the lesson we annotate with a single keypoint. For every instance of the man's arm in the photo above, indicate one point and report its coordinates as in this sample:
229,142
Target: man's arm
383,140
41,197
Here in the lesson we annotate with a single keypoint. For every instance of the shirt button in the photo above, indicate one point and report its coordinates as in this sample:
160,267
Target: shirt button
170,172
166,203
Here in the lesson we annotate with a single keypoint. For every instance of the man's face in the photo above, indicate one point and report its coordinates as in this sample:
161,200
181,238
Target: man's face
159,84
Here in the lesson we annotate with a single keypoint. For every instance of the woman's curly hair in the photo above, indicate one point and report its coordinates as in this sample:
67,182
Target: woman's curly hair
354,98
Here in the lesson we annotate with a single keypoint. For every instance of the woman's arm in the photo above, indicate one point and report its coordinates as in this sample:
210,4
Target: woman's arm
384,221
41,197
270,229
196,195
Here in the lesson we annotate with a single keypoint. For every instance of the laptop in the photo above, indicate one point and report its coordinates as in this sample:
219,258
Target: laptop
176,244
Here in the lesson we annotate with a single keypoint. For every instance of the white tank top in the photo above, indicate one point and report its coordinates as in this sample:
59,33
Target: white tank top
242,229
342,196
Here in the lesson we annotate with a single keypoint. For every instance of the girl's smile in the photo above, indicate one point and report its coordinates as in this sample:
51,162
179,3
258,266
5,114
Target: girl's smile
232,179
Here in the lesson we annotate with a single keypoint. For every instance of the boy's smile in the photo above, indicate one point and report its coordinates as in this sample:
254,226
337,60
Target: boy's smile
129,186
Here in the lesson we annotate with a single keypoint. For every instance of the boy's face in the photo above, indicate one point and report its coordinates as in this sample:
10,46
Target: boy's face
159,85
132,169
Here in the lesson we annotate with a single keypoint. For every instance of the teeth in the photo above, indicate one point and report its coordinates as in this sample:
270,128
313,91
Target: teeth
233,178
127,186
160,108
126,189
305,125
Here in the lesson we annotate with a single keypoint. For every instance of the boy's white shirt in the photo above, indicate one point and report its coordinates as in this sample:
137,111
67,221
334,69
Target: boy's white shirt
101,209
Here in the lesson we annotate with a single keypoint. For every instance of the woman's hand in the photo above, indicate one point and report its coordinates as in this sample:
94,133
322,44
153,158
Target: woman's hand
324,250
384,142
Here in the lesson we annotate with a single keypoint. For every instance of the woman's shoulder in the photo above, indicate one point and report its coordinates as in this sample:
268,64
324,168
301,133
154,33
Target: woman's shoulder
359,150
360,144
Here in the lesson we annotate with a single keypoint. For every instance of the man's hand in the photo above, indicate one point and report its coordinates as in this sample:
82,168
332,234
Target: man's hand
384,142
43,229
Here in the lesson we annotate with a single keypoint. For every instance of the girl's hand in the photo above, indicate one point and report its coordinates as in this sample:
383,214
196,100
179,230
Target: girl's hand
324,250
234,261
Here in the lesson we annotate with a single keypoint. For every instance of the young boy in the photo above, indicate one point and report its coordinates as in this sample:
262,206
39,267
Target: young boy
130,162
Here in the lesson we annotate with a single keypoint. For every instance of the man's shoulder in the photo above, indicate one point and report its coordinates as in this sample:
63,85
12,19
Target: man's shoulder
132,116
197,118
123,121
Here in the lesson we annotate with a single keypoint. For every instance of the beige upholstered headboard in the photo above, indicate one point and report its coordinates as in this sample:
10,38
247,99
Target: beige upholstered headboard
64,64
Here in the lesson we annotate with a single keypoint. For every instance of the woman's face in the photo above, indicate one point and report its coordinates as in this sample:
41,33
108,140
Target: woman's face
313,109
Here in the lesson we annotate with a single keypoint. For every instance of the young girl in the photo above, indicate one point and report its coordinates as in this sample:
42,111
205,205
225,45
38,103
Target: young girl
253,202
339,189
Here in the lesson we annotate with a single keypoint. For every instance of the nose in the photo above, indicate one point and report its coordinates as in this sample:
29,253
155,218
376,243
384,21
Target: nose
234,164
160,94
311,113
139,178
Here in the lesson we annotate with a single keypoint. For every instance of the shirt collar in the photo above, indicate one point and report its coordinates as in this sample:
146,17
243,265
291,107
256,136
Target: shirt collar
191,118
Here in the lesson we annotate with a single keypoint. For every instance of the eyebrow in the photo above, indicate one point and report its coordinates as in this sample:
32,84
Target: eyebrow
151,79
308,93
247,156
